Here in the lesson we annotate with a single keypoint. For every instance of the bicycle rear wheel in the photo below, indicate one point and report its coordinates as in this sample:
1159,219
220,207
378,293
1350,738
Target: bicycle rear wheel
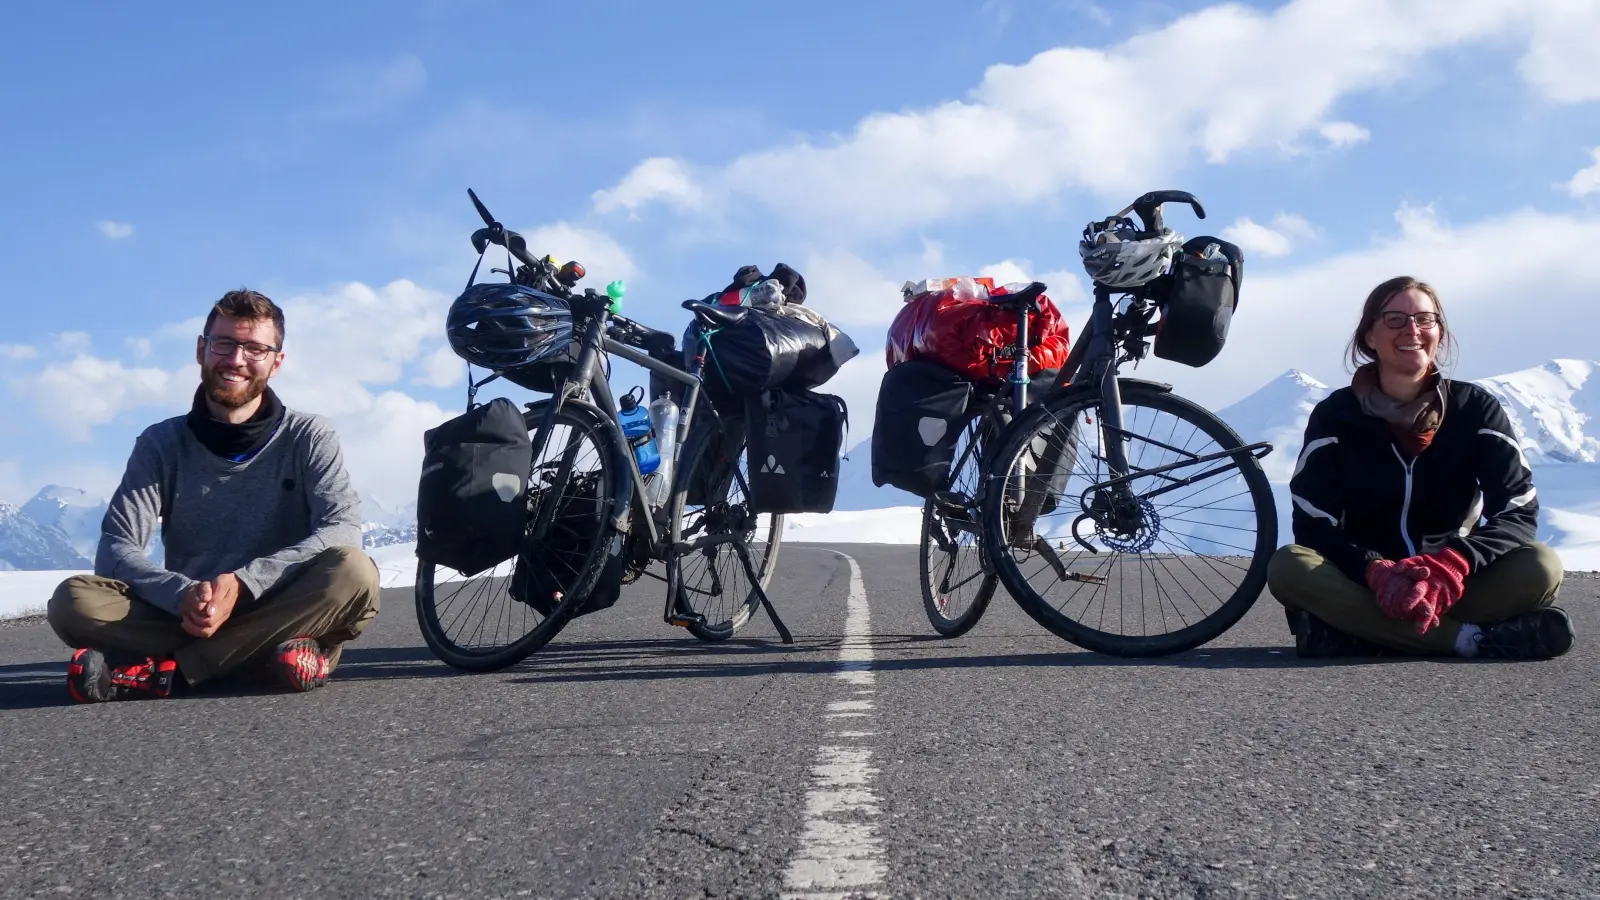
709,499
496,618
957,581
1165,567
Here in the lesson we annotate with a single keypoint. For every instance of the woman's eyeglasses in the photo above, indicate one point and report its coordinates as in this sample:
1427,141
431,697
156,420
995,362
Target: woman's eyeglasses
253,351
1397,320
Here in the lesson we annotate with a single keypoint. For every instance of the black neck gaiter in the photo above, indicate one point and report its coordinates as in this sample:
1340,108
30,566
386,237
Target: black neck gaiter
235,442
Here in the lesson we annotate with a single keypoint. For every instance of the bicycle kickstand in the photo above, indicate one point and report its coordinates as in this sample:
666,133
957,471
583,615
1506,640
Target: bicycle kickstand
755,582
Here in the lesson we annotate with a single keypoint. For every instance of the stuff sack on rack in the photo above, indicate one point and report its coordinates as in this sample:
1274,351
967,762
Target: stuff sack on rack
795,439
967,333
546,566
923,407
472,496
782,347
1200,294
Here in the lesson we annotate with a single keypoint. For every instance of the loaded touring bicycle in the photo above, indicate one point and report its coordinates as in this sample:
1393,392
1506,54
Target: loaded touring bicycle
1119,515
528,517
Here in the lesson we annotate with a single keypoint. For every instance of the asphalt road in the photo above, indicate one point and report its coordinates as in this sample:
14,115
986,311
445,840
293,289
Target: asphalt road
629,760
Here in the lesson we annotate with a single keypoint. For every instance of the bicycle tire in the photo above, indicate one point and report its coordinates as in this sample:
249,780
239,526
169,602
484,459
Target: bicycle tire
577,589
706,452
1068,406
936,588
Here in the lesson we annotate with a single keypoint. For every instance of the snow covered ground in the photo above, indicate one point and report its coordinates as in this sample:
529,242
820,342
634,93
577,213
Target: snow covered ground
26,593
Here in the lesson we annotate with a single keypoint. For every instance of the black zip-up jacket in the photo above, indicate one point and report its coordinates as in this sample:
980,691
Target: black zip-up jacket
1357,498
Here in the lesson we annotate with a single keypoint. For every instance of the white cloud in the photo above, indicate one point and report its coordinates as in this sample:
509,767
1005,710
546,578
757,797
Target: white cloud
655,179
851,292
1344,134
602,257
1586,181
442,369
382,442
73,342
75,396
1561,61
18,351
139,346
116,231
1252,80
1276,239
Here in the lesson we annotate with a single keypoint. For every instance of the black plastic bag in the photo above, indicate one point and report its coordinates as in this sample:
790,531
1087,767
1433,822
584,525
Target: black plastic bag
765,350
923,407
472,496
795,438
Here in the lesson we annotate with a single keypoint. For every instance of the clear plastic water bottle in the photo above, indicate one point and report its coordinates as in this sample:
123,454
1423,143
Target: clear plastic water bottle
635,421
664,418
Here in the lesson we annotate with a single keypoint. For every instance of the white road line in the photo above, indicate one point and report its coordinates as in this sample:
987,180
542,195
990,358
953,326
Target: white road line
840,851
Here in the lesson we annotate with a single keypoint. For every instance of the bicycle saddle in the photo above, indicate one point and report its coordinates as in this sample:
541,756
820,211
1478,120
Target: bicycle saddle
714,316
1024,297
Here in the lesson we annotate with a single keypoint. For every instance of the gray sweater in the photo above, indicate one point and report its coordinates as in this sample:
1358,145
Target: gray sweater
260,519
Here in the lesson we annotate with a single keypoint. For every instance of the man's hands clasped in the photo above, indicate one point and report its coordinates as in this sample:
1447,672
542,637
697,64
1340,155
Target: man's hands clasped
209,604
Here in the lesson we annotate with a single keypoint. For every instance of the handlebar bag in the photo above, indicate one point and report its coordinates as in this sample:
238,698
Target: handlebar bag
472,495
795,439
923,407
1200,295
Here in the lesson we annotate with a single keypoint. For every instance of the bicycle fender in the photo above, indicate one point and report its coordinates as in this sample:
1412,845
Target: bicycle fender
1158,386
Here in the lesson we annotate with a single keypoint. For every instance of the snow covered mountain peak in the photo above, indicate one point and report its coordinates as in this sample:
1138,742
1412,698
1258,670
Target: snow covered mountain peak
1553,408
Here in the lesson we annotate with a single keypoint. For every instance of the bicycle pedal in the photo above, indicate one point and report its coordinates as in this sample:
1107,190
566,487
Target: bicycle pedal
684,620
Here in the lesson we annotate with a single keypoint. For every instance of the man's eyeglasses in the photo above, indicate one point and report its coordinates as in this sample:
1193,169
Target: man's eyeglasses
254,352
1397,320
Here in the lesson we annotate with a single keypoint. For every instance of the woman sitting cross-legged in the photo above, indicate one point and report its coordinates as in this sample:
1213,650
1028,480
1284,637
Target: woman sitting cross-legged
1414,508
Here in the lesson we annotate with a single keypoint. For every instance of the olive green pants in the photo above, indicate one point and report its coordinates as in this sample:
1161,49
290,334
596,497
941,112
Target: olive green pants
1527,578
332,598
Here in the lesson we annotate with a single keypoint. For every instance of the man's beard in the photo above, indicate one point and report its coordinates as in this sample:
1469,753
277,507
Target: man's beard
232,394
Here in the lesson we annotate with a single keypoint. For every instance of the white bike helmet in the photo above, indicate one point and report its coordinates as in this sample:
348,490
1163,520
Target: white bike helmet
1118,255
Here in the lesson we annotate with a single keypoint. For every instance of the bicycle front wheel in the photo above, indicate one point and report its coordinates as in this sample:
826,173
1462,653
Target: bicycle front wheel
496,618
710,500
957,581
1165,560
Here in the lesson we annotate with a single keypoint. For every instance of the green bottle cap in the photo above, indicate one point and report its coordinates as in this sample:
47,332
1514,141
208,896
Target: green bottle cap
615,290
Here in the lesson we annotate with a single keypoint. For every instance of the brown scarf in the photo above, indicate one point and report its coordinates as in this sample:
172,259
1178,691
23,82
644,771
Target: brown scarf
1413,424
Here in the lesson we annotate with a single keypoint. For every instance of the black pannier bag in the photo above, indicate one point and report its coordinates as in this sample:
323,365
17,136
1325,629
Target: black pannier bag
472,496
1201,293
795,438
922,409
546,566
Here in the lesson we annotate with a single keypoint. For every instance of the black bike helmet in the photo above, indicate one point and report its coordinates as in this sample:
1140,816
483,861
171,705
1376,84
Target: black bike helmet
507,326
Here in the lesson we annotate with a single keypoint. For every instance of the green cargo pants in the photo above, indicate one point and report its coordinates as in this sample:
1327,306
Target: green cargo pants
1527,578
333,597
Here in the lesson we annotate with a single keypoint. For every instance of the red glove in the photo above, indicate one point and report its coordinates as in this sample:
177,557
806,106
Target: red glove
1401,587
1446,580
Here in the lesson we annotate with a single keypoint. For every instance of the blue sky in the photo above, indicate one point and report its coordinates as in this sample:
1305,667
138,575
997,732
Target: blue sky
321,153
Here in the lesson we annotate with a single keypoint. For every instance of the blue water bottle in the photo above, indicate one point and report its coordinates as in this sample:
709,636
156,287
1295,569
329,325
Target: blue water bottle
635,421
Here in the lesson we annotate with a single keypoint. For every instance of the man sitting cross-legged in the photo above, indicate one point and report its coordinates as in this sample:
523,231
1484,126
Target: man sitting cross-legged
261,529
